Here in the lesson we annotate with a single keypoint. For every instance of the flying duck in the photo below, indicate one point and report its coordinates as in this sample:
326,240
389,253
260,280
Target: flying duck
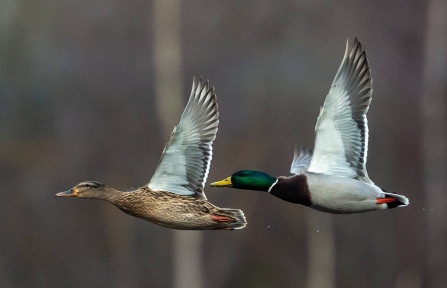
175,196
333,177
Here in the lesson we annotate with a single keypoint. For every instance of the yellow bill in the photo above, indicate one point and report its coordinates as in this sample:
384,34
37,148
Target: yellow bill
222,183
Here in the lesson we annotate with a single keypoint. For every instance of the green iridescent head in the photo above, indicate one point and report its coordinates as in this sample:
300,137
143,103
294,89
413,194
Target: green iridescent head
247,179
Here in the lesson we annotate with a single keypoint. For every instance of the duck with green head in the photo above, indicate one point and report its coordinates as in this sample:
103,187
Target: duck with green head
333,178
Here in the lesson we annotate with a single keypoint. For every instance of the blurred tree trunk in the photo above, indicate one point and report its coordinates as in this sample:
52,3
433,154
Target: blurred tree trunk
170,99
321,250
434,142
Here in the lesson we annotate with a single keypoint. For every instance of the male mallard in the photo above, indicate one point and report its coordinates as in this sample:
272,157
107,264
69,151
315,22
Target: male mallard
334,178
174,197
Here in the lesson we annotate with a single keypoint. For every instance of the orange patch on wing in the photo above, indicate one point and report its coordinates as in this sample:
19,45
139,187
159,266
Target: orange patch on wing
219,218
385,200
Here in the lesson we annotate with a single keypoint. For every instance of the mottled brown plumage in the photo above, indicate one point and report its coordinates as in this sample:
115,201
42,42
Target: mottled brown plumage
163,208
175,196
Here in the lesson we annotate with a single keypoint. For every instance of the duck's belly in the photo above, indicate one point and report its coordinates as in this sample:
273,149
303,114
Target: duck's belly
342,195
175,216
172,211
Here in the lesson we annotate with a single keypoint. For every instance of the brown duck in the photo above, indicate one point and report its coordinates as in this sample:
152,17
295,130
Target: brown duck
175,196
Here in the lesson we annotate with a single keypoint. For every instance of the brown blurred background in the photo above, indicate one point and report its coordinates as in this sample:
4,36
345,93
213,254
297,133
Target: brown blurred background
90,90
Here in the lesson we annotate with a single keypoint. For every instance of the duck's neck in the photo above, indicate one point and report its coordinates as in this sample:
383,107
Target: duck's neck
259,182
269,184
108,194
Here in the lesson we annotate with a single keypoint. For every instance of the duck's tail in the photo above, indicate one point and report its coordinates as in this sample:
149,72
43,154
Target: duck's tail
231,218
393,200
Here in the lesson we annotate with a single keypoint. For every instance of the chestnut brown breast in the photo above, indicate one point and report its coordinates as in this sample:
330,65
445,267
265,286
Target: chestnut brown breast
293,189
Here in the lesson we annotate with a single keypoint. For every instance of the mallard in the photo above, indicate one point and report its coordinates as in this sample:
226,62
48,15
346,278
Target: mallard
175,196
333,177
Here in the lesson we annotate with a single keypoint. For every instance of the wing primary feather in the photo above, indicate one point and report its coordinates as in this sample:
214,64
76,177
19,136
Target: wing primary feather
341,142
185,162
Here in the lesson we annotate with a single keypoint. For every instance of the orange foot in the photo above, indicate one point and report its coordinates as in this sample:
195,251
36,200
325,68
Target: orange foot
219,218
385,200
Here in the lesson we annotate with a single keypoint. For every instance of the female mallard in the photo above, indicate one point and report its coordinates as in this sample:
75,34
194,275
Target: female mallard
174,197
334,178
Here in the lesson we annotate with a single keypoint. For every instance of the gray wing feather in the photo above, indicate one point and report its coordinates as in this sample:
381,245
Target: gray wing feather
301,160
186,158
341,144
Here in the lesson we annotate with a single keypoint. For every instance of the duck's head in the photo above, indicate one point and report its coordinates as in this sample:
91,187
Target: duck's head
247,179
88,189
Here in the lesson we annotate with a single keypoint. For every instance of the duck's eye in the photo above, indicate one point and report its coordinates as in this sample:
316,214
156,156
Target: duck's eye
87,185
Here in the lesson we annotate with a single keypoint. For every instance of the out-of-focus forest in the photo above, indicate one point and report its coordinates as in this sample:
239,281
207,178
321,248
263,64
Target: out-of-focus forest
90,90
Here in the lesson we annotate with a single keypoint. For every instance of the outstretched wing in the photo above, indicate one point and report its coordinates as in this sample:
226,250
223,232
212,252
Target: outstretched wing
341,143
186,159
301,160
